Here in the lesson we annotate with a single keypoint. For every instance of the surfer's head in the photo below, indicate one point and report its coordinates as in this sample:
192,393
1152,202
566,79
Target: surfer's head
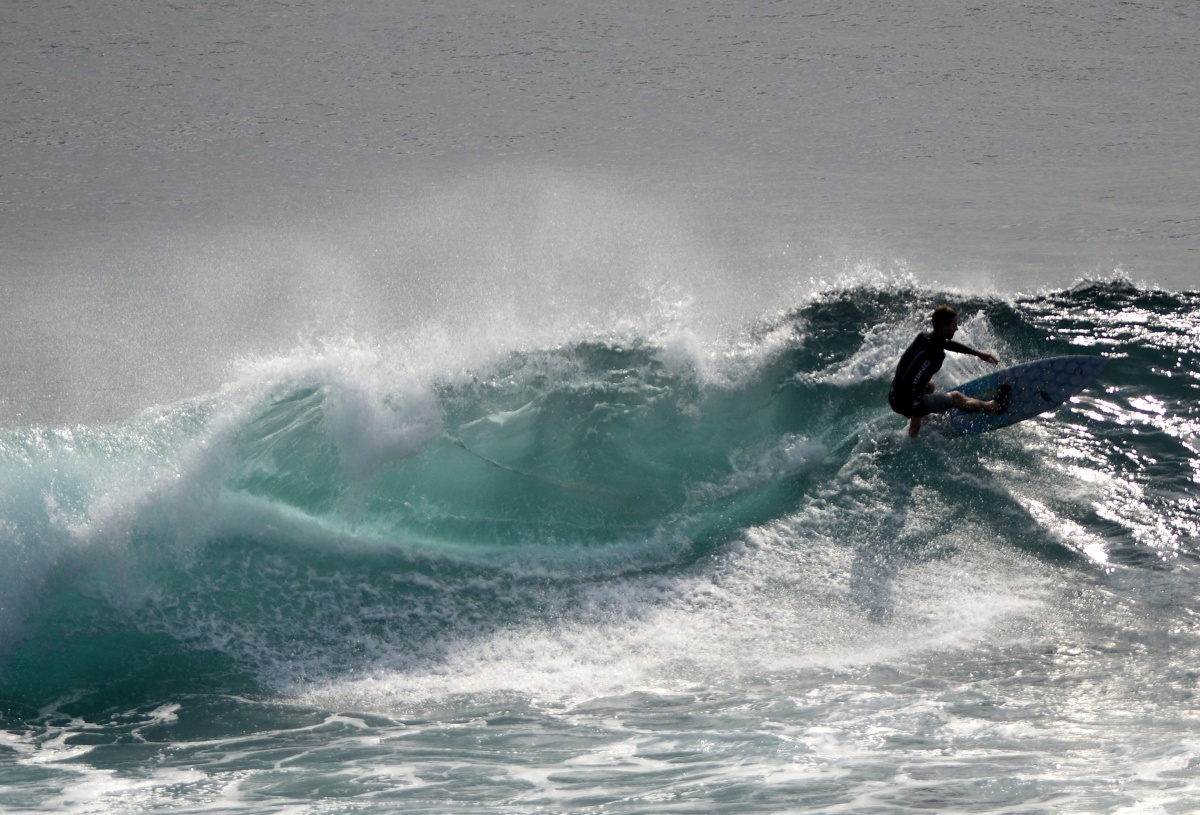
945,320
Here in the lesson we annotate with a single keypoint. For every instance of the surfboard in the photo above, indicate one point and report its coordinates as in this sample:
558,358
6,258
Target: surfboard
1036,387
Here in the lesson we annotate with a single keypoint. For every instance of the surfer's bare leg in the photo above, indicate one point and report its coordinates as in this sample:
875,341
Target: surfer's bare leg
914,424
966,403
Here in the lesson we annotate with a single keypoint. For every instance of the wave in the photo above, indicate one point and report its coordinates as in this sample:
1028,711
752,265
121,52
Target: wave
344,508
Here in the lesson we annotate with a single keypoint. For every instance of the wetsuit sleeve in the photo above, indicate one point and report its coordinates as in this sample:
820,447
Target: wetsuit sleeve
959,348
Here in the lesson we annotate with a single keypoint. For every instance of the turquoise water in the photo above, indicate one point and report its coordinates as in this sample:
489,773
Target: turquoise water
622,574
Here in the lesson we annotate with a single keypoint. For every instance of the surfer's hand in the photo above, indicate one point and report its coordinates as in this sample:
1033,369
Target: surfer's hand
992,358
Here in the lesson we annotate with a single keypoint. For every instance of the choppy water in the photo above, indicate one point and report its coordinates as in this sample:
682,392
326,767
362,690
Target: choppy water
613,575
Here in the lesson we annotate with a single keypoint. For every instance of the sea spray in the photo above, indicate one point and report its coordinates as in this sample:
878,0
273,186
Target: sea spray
569,535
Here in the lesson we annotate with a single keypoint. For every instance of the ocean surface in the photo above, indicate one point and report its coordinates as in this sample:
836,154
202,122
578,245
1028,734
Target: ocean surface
481,407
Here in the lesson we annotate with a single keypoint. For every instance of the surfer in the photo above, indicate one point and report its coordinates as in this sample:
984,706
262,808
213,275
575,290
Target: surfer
912,393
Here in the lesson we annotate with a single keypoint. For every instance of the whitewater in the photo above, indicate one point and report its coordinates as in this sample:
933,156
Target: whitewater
441,408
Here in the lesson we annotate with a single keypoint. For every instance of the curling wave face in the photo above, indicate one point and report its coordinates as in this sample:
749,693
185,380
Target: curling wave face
321,520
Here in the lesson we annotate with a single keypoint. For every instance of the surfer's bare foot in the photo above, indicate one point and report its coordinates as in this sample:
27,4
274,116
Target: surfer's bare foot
1000,403
914,426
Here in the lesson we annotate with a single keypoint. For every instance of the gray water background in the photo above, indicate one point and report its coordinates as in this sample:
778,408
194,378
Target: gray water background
181,184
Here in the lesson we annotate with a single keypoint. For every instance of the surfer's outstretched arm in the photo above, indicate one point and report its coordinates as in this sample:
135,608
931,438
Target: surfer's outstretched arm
959,348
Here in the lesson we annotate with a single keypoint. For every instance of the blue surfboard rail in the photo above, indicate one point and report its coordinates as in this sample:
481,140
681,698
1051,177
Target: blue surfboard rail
1036,387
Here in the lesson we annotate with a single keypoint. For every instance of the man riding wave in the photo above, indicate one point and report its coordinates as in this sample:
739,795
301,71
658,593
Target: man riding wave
913,393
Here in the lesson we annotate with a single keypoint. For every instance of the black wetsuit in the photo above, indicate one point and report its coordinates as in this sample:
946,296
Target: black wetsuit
920,362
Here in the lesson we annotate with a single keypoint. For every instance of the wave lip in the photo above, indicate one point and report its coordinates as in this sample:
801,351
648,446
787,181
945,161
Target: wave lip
329,514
